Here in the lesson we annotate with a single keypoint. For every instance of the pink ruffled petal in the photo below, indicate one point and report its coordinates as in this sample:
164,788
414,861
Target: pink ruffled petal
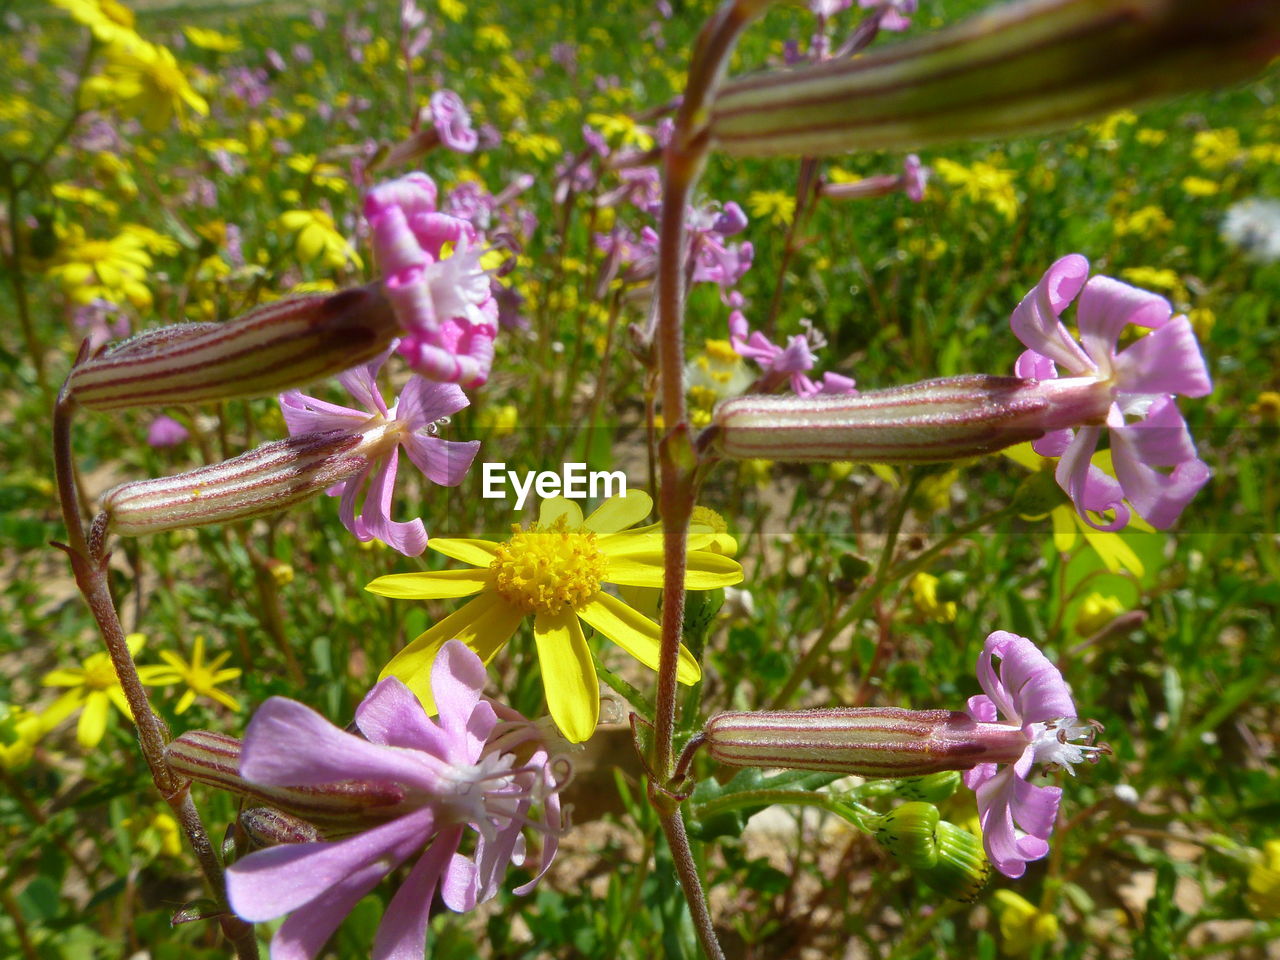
838,383
1035,809
347,505
457,680
1158,497
1091,490
997,806
982,708
423,402
990,681
302,936
304,414
1054,443
480,727
408,537
1035,319
1160,439
390,715
1031,681
1167,360
459,887
1106,307
414,193
444,462
290,745
977,776
402,935
1034,366
362,383
270,883
395,246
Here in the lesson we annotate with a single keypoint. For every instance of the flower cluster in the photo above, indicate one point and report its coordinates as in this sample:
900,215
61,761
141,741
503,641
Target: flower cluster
1148,434
789,363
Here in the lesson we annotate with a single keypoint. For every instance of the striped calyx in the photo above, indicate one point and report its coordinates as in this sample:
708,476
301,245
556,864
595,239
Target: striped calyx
266,479
334,810
276,347
927,422
1018,68
864,741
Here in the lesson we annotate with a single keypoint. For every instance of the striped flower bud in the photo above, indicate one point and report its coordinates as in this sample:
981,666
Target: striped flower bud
1019,68
266,479
276,347
935,420
334,809
865,741
946,857
267,827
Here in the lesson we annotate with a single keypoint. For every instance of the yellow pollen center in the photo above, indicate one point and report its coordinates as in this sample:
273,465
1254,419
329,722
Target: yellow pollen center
545,570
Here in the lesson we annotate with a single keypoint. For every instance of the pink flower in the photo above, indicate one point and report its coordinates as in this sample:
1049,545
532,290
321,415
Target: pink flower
455,775
1029,694
894,14
452,122
1148,434
915,177
417,412
166,432
445,304
789,362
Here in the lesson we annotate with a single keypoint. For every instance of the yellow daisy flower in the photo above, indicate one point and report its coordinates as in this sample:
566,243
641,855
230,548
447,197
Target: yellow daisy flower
318,238
111,22
145,80
776,206
94,689
554,571
20,730
112,269
212,40
201,679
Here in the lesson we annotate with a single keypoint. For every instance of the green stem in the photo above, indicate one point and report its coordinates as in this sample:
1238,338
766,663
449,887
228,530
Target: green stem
846,809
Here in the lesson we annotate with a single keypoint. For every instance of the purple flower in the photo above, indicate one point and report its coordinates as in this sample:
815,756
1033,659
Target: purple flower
786,363
166,432
915,177
101,321
1028,693
1148,434
455,775
452,122
894,14
421,406
445,305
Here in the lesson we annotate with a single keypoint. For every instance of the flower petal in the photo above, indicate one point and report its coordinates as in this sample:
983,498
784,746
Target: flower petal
269,883
424,401
618,513
430,585
485,624
1106,307
459,888
1032,683
478,553
457,680
304,414
1159,440
92,724
568,675
636,634
362,383
553,508
1091,490
391,716
444,462
1035,319
290,745
1167,360
408,537
705,570
402,935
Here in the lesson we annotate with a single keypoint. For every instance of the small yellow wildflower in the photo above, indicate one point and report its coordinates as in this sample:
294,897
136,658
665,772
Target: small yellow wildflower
144,80
776,206
535,146
1158,278
1095,613
327,175
211,40
1150,137
86,196
1202,321
160,835
319,239
1265,153
94,689
492,37
1200,187
1267,407
201,679
154,241
111,22
20,730
716,372
553,572
281,573
924,591
621,130
1023,926
453,10
1215,150
1105,130
501,419
1146,221
224,145
109,269
982,182
1264,882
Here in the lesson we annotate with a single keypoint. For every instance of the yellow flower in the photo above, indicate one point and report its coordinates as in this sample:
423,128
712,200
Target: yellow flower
502,420
155,241
87,196
982,182
553,571
536,146
1267,407
1156,278
201,679
211,40
319,239
93,690
327,175
1146,221
924,590
620,130
454,10
1105,130
1264,882
1150,137
493,37
111,269
776,206
20,730
1022,926
144,80
1216,150
715,373
161,835
1111,548
111,22
1200,187
1095,613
